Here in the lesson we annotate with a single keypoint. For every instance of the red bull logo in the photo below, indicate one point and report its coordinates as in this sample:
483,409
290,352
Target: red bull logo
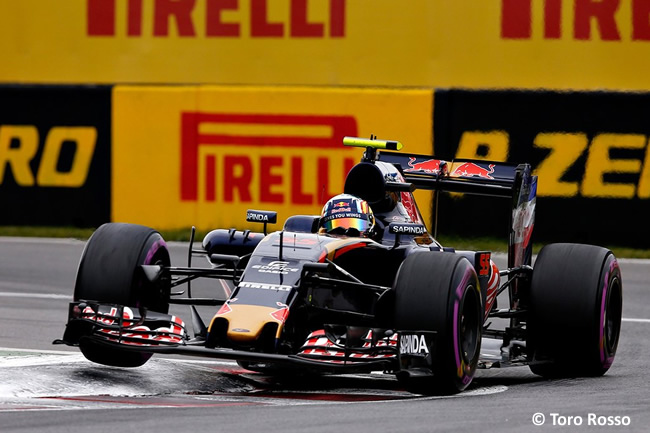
469,169
430,166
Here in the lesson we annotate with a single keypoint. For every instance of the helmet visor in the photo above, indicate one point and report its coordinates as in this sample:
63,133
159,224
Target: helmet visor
345,223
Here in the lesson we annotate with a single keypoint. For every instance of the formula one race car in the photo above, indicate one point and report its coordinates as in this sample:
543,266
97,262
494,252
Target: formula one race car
362,287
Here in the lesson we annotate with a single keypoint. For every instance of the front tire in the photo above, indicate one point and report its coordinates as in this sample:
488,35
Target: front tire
576,303
109,272
109,269
439,292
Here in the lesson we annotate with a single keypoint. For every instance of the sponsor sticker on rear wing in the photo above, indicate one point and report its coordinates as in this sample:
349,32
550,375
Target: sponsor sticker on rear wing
461,175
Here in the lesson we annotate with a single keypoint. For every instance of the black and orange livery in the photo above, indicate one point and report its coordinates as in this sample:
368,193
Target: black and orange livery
396,301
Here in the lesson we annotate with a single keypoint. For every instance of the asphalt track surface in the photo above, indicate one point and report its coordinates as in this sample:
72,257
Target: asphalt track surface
46,388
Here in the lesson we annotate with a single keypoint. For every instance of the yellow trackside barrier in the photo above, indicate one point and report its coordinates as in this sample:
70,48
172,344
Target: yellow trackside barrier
203,155
551,44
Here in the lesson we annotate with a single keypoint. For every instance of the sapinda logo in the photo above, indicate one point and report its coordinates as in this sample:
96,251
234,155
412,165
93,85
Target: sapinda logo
223,18
257,217
592,20
19,146
408,229
413,344
250,173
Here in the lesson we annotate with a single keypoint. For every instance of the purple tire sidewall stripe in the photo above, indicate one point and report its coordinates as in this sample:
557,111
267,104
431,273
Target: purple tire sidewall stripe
153,249
459,296
605,360
160,243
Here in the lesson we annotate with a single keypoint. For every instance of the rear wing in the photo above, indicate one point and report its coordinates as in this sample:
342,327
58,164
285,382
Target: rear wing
490,178
461,175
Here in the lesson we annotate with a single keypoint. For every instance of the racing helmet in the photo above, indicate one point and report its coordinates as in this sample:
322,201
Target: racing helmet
346,214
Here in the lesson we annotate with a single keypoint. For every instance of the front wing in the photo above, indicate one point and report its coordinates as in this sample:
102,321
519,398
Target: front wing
121,329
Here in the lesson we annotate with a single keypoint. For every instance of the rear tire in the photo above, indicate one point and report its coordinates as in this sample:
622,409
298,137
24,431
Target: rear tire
440,292
576,305
109,272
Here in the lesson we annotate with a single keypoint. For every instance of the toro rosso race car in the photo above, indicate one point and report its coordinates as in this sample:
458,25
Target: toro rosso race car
362,287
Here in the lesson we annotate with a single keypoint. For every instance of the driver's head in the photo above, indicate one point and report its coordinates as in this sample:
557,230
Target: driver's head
347,215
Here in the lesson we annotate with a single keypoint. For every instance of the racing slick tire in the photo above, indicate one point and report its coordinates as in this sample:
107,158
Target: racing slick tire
439,292
109,272
576,302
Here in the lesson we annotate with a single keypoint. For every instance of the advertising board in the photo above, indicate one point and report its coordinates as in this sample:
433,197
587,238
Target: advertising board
204,155
550,44
55,155
589,149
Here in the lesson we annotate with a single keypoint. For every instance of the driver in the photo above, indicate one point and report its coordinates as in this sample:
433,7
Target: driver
347,215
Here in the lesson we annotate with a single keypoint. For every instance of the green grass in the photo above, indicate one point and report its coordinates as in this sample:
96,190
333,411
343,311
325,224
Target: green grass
498,245
183,235
474,244
46,232
84,233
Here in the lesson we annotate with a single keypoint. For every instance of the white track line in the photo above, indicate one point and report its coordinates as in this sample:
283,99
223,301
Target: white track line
68,297
38,351
30,240
35,240
35,295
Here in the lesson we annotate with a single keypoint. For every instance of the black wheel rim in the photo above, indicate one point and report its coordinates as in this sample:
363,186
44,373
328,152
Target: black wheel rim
613,313
469,334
